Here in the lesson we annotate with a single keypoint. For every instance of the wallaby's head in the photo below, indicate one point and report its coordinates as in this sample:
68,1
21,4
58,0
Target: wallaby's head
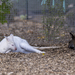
10,42
72,42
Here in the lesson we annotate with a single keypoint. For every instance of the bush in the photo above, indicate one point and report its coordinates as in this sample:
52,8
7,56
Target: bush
53,19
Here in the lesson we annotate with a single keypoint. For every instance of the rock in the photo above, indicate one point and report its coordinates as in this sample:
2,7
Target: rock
17,31
30,31
10,73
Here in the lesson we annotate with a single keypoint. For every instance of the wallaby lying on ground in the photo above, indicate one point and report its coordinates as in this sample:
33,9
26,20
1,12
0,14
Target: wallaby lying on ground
72,42
22,45
7,45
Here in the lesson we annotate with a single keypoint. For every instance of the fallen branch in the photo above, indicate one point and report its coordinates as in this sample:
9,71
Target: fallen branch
51,47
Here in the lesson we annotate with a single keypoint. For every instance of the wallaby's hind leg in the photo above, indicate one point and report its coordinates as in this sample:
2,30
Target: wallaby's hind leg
26,47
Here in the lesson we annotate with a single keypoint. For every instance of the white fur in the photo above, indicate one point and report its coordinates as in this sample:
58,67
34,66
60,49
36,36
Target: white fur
23,46
7,45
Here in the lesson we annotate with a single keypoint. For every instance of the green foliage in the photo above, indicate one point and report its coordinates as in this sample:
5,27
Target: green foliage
23,17
4,9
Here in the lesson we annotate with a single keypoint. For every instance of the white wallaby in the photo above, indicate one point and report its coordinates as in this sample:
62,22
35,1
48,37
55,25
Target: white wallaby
22,45
7,45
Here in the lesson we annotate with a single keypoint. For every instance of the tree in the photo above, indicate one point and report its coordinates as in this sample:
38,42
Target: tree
4,9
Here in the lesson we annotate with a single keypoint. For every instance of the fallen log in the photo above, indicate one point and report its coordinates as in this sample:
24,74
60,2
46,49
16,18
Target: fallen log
50,47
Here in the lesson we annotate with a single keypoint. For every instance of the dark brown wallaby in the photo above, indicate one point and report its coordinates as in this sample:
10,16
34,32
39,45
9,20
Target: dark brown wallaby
72,42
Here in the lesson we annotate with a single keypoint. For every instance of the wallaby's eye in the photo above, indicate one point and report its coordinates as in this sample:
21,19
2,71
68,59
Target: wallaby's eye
12,45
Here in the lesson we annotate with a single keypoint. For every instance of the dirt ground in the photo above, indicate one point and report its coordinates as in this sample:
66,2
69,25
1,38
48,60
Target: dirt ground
54,62
59,61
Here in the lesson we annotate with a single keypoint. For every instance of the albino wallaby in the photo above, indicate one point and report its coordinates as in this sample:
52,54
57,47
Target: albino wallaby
7,45
22,45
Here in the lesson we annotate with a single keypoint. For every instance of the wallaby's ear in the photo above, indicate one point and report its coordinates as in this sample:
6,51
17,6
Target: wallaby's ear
7,38
4,36
73,36
11,35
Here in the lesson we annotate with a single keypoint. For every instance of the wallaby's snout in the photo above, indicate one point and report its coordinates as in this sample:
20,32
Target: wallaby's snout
15,48
72,42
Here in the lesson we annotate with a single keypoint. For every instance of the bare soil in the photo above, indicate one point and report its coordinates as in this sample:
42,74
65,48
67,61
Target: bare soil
59,61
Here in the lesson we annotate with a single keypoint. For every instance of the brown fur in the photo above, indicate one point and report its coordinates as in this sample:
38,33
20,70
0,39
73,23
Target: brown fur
72,42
